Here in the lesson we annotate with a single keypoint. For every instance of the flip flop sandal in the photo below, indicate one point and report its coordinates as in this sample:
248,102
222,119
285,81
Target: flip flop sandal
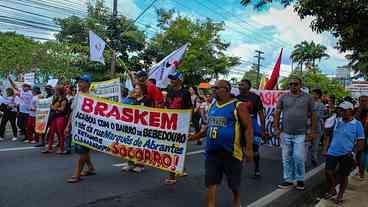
88,173
46,151
169,181
74,180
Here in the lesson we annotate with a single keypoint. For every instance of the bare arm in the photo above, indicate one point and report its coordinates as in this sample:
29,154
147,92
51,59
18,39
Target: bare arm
246,121
198,135
12,84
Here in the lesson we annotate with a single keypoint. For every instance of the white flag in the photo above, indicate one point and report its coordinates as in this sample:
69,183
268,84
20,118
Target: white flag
96,48
167,66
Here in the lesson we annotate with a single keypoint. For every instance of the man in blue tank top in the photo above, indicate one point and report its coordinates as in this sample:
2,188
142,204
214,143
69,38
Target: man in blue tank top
228,119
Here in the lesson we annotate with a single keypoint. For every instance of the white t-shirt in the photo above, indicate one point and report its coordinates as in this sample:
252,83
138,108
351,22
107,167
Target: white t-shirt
9,101
24,100
32,109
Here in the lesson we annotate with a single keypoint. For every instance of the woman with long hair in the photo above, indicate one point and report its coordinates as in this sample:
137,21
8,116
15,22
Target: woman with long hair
58,115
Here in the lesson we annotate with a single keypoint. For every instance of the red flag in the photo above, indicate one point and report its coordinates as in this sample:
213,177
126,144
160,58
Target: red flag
272,82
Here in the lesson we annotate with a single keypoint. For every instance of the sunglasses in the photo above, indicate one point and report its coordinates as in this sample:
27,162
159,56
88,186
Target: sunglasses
216,87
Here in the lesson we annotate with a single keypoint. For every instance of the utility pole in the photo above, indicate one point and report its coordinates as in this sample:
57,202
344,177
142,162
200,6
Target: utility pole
259,58
114,33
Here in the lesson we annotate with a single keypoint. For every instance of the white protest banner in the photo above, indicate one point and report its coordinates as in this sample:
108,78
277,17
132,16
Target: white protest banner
165,67
96,48
29,78
42,114
52,82
110,89
269,100
150,136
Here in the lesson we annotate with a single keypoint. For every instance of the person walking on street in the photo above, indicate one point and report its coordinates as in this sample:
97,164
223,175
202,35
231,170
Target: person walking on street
31,120
24,99
228,118
154,93
347,134
84,83
296,107
9,109
57,118
255,108
314,145
138,97
177,98
361,114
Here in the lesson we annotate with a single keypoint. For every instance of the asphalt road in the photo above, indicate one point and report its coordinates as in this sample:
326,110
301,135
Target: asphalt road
30,178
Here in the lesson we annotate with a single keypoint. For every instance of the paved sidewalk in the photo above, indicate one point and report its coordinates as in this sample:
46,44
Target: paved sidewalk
355,196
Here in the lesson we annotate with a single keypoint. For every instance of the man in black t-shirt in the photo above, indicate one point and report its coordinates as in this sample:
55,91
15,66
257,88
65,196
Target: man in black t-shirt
255,108
177,98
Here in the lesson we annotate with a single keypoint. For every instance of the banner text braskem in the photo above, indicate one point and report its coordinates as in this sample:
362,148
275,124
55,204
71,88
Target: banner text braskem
150,136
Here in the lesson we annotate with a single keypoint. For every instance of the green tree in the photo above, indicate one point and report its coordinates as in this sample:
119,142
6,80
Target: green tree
16,52
346,20
252,76
313,80
129,40
307,53
205,57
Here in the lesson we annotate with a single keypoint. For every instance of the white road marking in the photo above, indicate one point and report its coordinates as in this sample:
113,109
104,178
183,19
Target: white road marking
266,200
189,153
16,149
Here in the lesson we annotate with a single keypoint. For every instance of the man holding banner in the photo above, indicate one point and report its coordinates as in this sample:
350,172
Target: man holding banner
228,119
84,82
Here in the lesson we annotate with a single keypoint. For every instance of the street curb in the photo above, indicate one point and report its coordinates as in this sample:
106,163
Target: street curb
314,181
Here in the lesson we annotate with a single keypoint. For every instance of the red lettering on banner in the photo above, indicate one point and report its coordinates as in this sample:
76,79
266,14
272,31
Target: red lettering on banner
114,112
149,157
87,105
100,108
154,119
139,117
169,122
127,115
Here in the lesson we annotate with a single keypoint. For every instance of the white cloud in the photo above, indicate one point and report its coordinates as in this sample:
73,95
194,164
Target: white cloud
128,8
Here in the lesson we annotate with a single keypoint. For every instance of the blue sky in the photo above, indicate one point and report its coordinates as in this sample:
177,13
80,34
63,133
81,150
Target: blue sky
246,30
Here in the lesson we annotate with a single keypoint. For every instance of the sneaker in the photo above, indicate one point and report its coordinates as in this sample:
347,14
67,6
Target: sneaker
33,142
15,139
300,185
26,141
285,185
138,169
1,139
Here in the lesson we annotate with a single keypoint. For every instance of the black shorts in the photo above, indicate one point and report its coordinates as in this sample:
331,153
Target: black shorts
345,164
221,162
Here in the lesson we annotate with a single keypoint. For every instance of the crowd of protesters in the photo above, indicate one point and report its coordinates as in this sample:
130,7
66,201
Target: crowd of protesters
234,127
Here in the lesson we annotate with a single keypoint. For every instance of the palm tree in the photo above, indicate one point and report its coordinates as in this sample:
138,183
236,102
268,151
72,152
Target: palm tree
307,53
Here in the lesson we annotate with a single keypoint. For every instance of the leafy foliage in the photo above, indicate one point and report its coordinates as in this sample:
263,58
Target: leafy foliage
315,79
346,20
205,57
307,53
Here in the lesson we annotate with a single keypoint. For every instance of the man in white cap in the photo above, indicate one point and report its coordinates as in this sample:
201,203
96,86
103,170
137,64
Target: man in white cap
347,133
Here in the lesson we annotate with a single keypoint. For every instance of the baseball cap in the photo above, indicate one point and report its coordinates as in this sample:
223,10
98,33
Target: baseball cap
176,76
36,89
346,105
85,77
141,73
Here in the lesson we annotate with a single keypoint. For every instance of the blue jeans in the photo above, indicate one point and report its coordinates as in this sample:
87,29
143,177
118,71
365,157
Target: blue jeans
293,156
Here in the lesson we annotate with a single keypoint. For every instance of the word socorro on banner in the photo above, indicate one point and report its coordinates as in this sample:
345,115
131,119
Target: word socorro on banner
42,114
110,89
269,100
150,136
